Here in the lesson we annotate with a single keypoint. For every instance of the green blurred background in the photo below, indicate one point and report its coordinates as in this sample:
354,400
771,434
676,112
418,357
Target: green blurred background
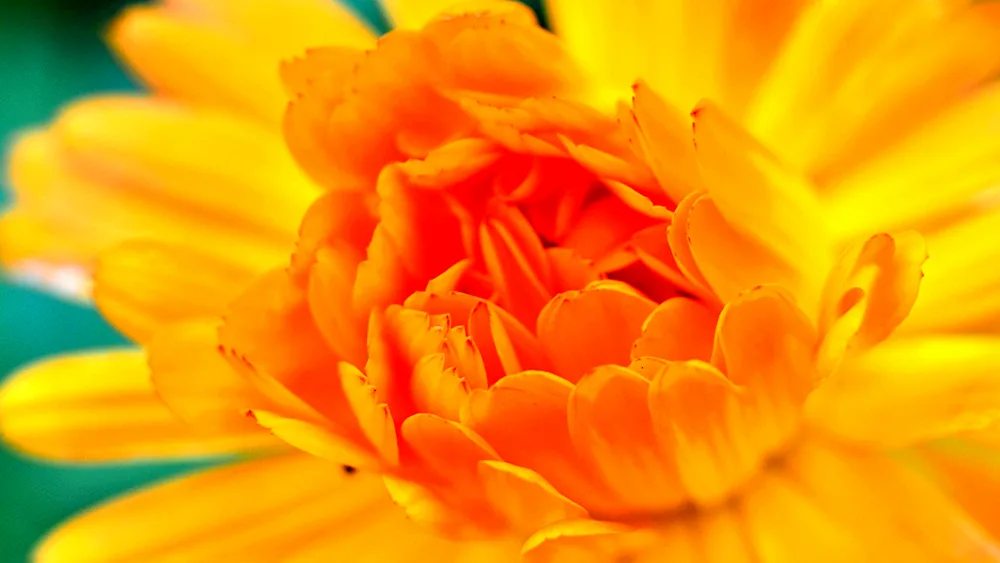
51,52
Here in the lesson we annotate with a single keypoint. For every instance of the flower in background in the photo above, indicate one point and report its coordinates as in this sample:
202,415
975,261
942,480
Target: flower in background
476,291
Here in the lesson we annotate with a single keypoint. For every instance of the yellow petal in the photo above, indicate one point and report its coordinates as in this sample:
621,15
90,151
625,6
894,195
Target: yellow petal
959,289
888,192
912,389
195,380
179,152
317,440
262,510
198,62
784,525
906,517
101,406
285,28
610,424
143,285
756,194
591,540
873,59
82,188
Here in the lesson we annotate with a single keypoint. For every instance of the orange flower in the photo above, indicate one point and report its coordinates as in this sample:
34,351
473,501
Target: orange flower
539,319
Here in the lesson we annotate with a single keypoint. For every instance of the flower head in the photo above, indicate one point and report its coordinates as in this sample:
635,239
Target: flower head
538,316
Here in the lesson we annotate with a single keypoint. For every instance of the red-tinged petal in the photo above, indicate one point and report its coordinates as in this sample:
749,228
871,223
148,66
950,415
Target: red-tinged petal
597,325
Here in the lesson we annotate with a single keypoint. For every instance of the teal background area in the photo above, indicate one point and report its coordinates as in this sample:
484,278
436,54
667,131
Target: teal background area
51,52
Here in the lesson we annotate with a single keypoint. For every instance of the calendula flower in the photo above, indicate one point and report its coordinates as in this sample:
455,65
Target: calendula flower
524,317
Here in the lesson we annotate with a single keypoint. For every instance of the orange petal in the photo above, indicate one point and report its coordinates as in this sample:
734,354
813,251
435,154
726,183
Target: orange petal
679,241
438,389
535,62
516,261
195,380
610,425
523,417
968,470
906,390
296,501
503,343
697,416
765,344
373,416
257,333
678,329
353,121
143,285
450,448
583,329
100,406
524,498
731,262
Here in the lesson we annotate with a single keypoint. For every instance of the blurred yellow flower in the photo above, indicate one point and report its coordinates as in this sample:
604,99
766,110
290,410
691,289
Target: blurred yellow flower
649,288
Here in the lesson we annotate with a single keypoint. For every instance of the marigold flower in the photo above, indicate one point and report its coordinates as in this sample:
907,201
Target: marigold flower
494,307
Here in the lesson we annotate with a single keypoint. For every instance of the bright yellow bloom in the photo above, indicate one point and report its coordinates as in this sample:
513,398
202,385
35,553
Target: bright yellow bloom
542,320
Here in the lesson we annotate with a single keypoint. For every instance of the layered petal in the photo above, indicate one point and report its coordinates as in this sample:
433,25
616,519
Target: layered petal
598,325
